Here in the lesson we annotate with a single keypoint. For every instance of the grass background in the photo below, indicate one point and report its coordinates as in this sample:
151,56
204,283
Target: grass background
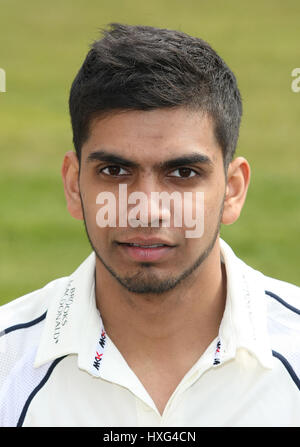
42,45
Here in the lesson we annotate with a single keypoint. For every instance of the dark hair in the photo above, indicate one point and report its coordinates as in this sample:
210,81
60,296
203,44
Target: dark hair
144,68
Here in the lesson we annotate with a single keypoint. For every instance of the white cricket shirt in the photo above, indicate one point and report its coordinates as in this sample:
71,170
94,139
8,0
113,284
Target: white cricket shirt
58,367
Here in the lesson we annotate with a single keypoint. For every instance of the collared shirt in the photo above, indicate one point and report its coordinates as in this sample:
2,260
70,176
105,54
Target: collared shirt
58,367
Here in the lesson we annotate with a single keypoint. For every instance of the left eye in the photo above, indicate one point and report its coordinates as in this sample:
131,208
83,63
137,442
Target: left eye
114,171
183,173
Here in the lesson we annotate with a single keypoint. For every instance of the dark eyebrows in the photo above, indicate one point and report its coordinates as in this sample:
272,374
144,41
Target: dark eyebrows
184,160
111,158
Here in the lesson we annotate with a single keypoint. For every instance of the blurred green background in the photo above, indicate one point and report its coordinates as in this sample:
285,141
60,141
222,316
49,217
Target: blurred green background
42,46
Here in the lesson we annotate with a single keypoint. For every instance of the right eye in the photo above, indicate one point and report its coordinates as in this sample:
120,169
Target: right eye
113,171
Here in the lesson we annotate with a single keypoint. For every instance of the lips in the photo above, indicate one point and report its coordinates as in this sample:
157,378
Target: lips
144,250
147,246
146,242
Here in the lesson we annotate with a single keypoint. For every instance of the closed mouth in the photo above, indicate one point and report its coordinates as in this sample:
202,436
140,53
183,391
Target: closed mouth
133,244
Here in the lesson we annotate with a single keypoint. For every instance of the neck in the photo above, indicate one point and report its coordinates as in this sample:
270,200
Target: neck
193,309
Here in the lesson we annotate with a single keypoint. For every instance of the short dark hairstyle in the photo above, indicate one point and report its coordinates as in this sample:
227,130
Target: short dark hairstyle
145,68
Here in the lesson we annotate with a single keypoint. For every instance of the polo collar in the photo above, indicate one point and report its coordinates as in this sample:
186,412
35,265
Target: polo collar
244,323
74,326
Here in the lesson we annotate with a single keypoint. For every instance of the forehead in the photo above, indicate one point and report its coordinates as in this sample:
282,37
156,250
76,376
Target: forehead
150,137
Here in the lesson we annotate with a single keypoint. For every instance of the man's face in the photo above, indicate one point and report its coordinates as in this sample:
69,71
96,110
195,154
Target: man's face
170,150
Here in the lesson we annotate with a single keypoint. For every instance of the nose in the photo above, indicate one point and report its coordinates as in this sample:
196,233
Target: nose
145,207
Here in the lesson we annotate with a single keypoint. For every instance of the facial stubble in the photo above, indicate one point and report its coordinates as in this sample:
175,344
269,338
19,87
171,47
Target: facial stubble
145,281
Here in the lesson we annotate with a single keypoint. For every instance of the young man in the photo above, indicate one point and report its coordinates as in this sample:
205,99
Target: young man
157,327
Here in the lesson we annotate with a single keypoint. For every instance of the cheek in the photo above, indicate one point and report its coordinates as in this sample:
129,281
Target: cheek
90,206
91,209
212,210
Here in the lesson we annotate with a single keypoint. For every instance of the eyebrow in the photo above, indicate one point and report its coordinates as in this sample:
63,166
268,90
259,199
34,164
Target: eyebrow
188,159
111,158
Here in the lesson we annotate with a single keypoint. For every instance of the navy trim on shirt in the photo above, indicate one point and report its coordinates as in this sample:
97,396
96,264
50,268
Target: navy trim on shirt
280,300
37,389
24,325
276,354
288,367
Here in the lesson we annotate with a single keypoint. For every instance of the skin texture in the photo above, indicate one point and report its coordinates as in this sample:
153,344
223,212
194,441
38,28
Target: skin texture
150,305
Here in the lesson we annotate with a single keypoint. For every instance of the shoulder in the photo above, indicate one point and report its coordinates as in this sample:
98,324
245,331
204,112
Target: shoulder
21,323
29,309
279,302
283,301
283,310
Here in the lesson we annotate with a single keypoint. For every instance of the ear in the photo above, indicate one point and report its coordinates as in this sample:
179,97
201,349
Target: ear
238,178
70,176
